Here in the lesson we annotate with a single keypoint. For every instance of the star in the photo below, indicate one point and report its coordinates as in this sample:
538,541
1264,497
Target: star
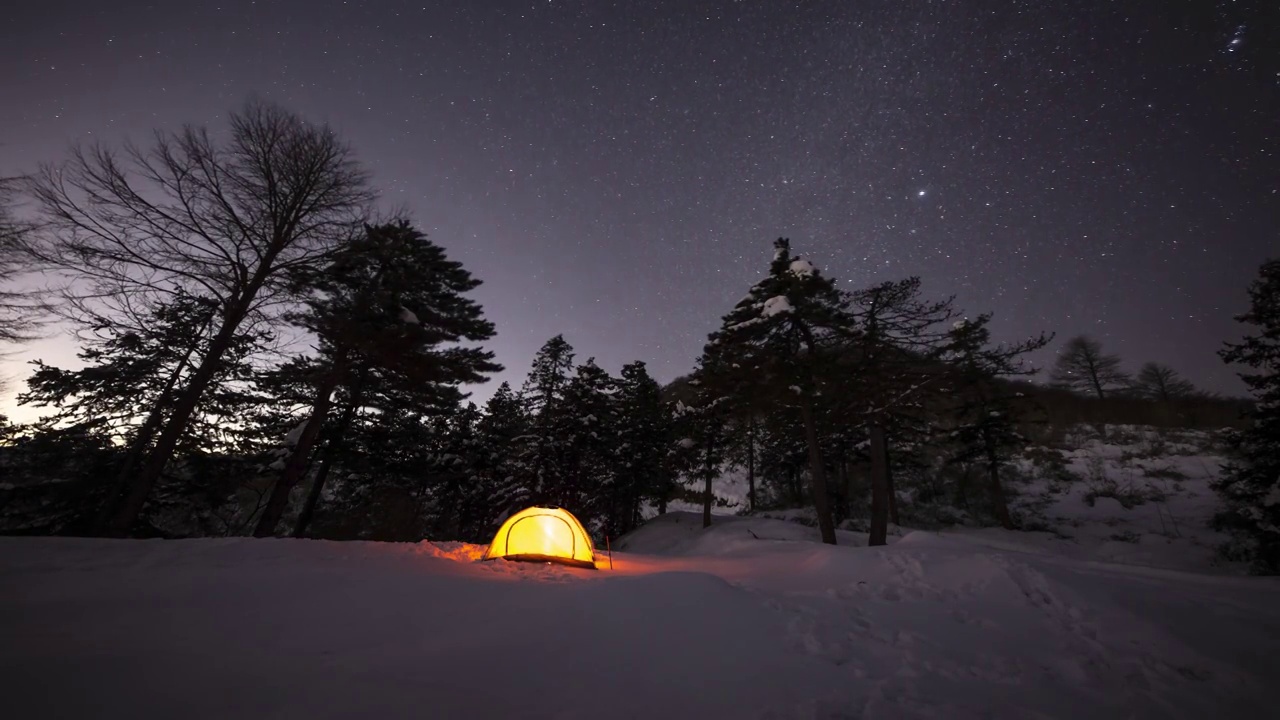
618,193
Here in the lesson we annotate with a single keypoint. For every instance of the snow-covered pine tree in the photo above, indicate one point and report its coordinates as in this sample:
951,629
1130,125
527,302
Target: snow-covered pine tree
984,410
644,438
1250,483
393,301
776,343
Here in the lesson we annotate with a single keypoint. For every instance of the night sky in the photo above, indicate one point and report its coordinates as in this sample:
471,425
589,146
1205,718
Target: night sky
617,171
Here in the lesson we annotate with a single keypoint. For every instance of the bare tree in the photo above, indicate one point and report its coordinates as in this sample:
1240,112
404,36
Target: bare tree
1083,367
1161,382
20,308
230,221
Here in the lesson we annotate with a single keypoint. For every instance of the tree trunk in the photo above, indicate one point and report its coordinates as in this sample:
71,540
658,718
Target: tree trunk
706,501
140,485
313,494
296,466
707,475
317,486
888,481
817,476
846,482
879,488
138,448
998,503
962,488
751,464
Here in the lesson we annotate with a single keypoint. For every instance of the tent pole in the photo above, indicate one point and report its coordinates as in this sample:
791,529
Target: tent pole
610,549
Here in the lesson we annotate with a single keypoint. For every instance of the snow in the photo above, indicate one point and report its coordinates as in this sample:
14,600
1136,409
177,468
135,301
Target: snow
1165,475
1273,497
802,268
1113,610
775,305
295,434
408,316
748,619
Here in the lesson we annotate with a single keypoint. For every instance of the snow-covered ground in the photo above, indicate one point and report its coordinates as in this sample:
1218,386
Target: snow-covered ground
749,619
1141,496
1115,608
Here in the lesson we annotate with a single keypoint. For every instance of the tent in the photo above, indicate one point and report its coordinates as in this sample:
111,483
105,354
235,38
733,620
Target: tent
543,534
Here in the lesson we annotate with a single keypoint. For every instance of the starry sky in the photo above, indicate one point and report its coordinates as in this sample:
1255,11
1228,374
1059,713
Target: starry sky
617,171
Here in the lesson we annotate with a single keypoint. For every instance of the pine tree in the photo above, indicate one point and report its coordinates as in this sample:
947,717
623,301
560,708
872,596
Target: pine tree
1250,483
502,433
349,404
456,504
588,485
391,301
702,427
549,378
545,450
134,370
783,456
776,342
1161,383
1083,367
643,437
886,367
985,409
394,467
233,218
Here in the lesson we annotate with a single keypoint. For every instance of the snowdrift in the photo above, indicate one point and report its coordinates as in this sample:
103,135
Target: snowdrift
748,619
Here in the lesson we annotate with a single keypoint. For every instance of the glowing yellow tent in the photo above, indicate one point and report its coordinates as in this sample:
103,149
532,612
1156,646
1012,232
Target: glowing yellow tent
543,534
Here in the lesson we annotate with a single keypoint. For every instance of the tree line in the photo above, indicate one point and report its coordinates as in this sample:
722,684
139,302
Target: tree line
263,353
